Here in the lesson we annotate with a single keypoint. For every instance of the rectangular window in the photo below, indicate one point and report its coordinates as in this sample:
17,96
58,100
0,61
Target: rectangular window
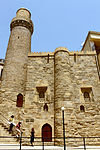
87,94
41,90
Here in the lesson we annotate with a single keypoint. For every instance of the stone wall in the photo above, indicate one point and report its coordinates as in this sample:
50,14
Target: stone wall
40,73
64,76
84,75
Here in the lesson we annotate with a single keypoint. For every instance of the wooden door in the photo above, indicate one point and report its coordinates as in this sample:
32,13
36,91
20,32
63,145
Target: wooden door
47,133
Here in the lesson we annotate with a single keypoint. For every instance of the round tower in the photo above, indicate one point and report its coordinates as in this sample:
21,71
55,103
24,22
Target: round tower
15,67
61,87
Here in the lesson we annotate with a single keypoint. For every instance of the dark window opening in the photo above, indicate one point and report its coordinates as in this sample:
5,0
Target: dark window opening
86,95
82,109
45,108
74,57
41,90
19,100
41,94
48,59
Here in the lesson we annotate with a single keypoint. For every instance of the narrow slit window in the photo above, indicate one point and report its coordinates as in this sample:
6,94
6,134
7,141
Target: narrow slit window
45,108
82,109
74,57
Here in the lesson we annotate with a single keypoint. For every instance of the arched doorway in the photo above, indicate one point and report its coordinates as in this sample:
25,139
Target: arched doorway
19,100
47,133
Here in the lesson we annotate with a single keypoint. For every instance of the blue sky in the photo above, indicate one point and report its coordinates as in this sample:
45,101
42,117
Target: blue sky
56,22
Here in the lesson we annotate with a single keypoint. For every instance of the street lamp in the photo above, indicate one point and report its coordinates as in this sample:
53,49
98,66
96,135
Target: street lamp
63,127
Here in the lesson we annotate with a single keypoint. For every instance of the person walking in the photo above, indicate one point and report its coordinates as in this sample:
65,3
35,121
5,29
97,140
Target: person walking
32,136
11,120
18,128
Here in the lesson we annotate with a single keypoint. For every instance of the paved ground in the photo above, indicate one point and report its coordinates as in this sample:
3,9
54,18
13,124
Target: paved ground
17,147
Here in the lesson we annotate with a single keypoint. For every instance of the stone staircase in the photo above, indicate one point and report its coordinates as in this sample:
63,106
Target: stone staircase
6,136
10,138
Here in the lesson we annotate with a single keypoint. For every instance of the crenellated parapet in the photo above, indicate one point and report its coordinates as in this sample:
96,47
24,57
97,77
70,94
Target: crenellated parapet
82,53
39,54
63,49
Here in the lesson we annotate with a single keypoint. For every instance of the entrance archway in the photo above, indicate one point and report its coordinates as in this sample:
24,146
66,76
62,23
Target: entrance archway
47,133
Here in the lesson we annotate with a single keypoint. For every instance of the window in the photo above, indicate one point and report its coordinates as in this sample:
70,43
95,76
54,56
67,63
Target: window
87,94
74,57
45,108
19,100
41,94
82,109
41,90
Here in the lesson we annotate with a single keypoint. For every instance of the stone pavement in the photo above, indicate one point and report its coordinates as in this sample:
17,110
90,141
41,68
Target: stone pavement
17,147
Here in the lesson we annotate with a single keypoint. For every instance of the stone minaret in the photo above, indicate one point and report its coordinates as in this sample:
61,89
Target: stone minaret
15,67
61,87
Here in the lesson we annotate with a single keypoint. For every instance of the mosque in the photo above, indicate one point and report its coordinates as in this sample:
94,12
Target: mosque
35,86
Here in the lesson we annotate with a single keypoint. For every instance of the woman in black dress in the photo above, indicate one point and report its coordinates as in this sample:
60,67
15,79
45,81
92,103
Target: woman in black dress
32,136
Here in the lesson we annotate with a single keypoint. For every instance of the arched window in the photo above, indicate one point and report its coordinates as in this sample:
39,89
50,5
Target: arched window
19,100
82,109
46,133
45,108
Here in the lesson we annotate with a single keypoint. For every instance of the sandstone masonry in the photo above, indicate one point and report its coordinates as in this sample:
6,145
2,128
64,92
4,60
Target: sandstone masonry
34,86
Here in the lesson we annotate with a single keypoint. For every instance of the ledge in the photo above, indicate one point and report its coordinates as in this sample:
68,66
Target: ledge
22,22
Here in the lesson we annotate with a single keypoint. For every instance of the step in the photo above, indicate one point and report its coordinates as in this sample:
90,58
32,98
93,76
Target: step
5,132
